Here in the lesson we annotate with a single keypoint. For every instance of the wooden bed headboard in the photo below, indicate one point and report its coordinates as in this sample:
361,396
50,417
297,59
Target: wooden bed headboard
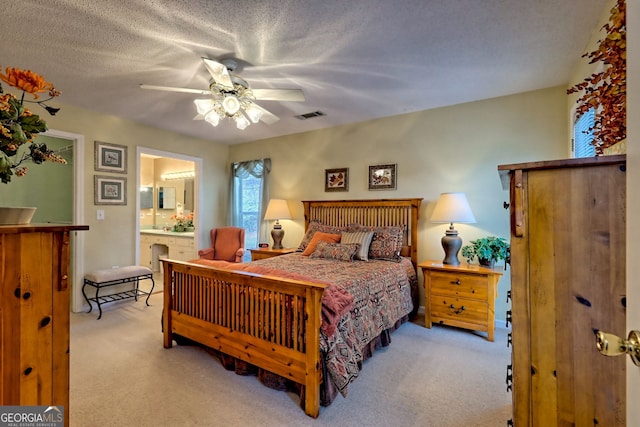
374,213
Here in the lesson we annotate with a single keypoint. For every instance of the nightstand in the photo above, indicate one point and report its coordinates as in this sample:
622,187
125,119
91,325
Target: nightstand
262,253
463,296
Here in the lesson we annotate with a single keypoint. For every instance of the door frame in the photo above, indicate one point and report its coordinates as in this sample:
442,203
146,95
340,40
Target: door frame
633,196
77,237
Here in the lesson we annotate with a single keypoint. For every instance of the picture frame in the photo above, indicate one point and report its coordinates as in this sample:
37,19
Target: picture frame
110,190
336,179
382,177
110,157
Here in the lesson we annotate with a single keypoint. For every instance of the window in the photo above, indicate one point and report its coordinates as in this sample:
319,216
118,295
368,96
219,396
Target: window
583,135
249,191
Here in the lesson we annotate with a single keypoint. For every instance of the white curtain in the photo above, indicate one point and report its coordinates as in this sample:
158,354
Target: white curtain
259,169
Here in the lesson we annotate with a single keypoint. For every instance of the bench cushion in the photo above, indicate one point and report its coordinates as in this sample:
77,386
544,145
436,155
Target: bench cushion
110,274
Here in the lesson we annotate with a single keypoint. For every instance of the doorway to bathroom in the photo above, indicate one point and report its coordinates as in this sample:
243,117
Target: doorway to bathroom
167,197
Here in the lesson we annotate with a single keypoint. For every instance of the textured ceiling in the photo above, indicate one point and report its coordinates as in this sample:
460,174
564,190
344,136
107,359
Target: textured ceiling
355,60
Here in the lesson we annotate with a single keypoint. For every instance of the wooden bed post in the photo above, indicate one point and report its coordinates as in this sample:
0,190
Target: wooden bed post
313,362
166,312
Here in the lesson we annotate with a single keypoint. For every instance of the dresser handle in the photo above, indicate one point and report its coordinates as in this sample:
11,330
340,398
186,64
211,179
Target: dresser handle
458,311
456,282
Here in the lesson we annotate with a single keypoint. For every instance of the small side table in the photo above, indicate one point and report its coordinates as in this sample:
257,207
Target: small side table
463,296
262,253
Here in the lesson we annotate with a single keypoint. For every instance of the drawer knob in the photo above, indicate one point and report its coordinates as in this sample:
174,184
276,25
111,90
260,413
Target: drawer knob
455,282
455,310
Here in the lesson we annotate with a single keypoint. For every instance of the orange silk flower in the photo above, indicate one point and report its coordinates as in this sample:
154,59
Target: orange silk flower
27,81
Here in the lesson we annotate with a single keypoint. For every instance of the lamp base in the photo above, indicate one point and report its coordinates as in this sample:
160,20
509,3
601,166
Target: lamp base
451,244
277,234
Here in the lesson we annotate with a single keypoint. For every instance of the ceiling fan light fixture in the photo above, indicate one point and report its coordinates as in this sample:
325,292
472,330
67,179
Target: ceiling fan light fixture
203,106
231,104
230,97
241,121
254,113
212,117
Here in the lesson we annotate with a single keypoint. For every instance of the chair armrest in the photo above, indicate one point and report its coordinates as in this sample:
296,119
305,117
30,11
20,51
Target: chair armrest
206,253
239,254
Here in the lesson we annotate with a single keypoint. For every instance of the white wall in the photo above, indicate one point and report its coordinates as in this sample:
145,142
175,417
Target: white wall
456,148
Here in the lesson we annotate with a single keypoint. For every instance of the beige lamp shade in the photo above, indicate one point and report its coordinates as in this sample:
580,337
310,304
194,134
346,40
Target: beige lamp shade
452,207
277,209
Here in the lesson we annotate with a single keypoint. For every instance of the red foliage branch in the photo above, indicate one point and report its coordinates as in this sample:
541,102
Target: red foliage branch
606,91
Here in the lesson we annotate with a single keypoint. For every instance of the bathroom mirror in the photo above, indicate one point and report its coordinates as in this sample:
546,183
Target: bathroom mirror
146,197
166,197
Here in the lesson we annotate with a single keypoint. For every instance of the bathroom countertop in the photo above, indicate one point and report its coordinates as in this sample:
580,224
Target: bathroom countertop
166,233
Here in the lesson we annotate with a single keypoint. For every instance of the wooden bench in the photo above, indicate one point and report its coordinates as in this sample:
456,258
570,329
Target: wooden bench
117,276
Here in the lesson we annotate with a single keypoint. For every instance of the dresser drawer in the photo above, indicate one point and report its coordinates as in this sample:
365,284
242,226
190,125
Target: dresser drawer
459,284
459,310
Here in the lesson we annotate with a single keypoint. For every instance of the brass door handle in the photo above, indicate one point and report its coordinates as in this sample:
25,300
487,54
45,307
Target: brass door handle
612,345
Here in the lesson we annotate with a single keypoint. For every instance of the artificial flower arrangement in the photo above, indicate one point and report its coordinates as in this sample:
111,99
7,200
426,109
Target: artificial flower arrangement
182,221
19,126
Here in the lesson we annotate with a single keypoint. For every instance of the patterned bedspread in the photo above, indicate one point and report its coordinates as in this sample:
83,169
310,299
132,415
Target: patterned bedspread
382,296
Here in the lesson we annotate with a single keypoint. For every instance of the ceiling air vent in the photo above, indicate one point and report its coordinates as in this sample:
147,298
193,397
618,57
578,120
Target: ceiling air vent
310,115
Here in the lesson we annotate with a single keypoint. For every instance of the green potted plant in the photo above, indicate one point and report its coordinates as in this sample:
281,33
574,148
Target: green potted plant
488,250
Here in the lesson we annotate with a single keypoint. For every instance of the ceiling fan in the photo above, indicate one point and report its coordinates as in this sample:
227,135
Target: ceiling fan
229,96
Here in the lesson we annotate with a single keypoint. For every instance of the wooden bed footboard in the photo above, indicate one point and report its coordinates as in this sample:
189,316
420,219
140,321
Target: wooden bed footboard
268,322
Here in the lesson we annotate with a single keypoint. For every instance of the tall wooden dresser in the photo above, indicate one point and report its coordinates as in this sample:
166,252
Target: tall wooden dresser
34,315
567,282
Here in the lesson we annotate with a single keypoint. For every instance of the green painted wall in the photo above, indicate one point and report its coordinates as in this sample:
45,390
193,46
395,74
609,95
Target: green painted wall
48,186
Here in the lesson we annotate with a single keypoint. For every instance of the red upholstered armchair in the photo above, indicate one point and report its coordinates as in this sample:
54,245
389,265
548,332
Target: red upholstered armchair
227,243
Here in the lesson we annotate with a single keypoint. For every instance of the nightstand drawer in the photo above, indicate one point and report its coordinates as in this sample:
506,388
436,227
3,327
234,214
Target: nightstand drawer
459,310
459,284
263,253
260,255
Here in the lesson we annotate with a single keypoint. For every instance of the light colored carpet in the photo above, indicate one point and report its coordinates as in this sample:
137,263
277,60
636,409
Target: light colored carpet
122,376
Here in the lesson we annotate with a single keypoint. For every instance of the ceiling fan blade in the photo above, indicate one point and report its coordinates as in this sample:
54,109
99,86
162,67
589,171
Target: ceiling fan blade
219,72
176,89
278,94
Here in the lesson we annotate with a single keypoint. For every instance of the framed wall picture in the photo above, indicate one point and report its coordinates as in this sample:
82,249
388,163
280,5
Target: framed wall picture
110,190
382,177
110,157
336,179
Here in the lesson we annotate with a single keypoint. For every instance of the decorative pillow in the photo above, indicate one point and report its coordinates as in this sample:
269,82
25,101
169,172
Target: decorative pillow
363,238
319,236
318,226
386,243
338,251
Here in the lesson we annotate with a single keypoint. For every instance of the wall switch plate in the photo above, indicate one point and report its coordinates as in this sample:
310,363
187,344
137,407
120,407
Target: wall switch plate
100,214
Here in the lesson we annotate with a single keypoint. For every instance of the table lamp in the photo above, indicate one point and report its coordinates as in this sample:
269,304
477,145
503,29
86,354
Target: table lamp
277,209
452,207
